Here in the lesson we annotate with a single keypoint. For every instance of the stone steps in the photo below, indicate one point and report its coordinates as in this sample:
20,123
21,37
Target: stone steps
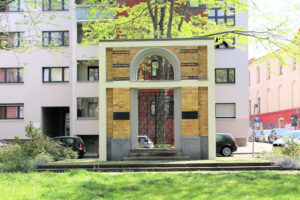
167,169
155,154
161,167
151,158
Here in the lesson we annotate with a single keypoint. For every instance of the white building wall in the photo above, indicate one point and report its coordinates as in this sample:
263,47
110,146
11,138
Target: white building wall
234,92
36,94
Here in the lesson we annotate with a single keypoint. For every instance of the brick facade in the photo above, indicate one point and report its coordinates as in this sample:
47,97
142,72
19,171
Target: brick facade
193,60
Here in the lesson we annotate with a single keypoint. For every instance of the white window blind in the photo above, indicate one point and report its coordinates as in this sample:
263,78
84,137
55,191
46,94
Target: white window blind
225,110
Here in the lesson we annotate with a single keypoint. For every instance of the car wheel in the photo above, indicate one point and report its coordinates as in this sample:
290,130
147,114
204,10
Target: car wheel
226,151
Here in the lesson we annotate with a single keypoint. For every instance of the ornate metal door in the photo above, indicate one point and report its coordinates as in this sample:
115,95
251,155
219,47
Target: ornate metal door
156,116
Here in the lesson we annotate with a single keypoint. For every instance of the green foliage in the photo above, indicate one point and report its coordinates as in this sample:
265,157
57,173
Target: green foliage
12,159
36,150
291,148
43,158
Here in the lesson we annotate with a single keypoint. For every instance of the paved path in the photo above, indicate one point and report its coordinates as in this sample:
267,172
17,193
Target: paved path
258,148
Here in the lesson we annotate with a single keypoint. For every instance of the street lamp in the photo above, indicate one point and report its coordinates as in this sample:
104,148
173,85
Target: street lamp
253,134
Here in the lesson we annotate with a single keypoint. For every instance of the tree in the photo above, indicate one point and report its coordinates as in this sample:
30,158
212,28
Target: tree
174,19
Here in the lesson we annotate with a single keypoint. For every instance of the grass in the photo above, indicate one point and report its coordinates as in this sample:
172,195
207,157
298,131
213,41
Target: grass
80,184
218,160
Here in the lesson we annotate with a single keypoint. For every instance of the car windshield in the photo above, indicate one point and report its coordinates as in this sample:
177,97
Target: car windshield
267,132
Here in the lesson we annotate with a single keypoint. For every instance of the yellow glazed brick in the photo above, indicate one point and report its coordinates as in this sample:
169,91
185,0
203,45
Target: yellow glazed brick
189,127
203,111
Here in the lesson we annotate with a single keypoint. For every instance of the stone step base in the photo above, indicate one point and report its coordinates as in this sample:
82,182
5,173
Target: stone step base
161,157
171,169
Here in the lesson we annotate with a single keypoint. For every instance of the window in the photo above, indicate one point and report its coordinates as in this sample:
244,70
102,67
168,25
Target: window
87,107
225,110
280,69
249,107
197,4
11,75
222,17
12,6
225,75
55,38
12,111
295,62
225,44
249,81
49,5
268,71
55,74
93,73
258,75
11,39
258,103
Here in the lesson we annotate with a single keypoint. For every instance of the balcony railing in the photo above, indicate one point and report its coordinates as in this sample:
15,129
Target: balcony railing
86,12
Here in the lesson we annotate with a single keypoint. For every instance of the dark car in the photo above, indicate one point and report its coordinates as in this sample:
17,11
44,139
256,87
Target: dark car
75,142
226,144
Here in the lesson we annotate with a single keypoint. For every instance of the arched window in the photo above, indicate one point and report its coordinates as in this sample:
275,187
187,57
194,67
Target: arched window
155,68
258,75
280,97
269,107
155,63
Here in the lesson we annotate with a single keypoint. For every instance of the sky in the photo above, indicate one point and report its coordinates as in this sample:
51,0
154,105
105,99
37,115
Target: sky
277,11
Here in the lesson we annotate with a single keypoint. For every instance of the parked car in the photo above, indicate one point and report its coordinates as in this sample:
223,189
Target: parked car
277,133
3,143
293,135
75,142
145,142
226,144
264,134
256,136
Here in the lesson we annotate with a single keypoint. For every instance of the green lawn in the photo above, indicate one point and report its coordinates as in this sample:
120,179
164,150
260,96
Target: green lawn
83,185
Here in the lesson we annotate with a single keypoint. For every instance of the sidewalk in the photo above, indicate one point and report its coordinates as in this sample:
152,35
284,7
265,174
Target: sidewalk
246,151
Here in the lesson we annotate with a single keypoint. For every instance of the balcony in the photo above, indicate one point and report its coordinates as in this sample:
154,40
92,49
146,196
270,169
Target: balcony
88,12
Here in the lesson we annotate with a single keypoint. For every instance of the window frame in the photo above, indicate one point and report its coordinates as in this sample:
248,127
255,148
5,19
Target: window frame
63,3
225,17
88,107
92,67
50,39
225,117
8,37
18,105
49,75
19,8
18,74
268,71
227,72
200,6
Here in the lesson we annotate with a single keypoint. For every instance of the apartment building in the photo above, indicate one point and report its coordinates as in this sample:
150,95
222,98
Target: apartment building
274,87
58,87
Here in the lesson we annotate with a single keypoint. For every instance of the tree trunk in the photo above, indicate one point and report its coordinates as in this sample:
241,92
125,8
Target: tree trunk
161,101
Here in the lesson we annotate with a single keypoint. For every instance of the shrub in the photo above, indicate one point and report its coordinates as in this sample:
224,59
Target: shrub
25,155
287,162
291,148
42,159
288,156
12,159
61,153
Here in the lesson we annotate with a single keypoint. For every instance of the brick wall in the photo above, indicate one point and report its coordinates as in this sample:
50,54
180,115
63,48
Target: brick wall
193,60
118,100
